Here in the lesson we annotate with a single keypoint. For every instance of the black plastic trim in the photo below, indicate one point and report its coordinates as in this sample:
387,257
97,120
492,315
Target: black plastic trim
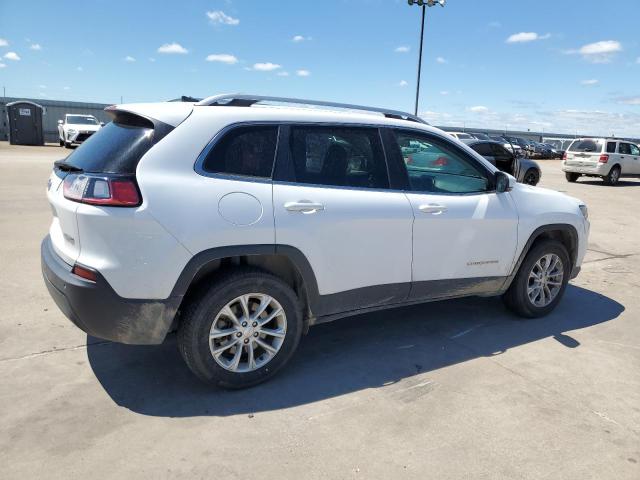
99,311
552,227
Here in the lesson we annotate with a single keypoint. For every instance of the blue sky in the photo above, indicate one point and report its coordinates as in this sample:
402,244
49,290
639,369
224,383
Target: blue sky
570,65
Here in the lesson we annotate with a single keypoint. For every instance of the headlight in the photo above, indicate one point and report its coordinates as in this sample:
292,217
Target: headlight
585,211
71,131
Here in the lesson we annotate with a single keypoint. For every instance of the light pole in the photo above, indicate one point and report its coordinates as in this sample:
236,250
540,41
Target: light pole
424,4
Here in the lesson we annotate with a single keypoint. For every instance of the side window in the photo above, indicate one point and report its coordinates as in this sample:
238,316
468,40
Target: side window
611,147
338,156
500,152
434,166
247,151
635,151
624,149
483,149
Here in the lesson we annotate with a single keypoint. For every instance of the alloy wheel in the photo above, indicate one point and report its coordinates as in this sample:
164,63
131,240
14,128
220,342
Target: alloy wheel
248,332
545,280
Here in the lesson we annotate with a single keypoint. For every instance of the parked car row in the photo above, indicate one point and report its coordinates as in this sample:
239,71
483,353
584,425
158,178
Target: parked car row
520,147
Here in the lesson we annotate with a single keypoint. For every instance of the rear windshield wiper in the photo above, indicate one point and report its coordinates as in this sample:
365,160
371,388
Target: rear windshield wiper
66,167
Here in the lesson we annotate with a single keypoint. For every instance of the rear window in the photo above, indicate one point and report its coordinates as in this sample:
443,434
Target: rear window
115,148
611,147
587,145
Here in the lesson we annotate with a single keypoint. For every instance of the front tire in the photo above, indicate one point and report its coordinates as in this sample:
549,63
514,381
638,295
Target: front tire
541,280
61,142
67,145
571,177
240,330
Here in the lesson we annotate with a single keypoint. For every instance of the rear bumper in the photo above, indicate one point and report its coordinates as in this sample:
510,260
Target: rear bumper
600,169
98,310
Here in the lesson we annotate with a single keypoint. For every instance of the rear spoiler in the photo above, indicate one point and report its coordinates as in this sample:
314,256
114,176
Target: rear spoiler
169,113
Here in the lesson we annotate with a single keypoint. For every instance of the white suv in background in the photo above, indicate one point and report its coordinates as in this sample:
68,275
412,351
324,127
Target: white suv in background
241,223
608,158
75,129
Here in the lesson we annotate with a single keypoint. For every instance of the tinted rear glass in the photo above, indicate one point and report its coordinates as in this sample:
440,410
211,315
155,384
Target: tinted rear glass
611,147
247,151
587,145
115,148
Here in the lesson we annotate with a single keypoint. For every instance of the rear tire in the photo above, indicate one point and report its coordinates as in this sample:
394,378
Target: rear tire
531,177
571,177
529,297
613,177
240,359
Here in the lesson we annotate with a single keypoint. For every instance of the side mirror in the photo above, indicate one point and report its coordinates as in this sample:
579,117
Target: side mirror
60,122
503,182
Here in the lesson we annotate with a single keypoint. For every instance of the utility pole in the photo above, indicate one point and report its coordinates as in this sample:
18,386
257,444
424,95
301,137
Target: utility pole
424,4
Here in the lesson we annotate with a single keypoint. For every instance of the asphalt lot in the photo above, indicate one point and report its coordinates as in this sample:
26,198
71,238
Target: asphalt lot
456,389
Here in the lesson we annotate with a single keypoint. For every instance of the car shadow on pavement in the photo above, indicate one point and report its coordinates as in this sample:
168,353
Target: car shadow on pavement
367,351
621,183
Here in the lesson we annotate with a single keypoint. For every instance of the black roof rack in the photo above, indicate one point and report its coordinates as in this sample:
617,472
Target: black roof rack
240,100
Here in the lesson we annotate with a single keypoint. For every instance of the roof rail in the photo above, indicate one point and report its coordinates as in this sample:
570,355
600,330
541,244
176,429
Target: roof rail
239,100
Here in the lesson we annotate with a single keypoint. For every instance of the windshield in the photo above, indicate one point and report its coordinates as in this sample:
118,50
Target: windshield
587,145
81,120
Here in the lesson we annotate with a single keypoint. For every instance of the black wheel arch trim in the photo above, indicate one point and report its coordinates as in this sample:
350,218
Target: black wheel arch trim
552,227
201,260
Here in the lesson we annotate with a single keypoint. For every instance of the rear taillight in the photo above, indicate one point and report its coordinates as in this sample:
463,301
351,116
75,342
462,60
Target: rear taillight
604,158
564,156
96,189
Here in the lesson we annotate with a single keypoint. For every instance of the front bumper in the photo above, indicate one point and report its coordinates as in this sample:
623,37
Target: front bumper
79,137
98,310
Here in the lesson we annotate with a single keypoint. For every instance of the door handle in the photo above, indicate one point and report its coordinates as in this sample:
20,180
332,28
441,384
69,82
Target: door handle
433,208
304,206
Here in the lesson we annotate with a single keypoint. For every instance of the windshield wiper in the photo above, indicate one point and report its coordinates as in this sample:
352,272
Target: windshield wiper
66,167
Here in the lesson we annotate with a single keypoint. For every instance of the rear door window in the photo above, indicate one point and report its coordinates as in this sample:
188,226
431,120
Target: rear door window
116,147
338,156
246,151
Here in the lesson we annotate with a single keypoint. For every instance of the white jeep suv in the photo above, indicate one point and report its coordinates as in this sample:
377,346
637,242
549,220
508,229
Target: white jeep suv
75,129
608,158
241,221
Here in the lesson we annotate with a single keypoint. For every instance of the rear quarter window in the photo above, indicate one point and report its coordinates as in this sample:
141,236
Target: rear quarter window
246,151
117,147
